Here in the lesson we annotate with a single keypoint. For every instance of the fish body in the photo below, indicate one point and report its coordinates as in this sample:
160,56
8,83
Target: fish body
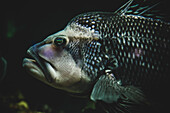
113,56
3,64
139,45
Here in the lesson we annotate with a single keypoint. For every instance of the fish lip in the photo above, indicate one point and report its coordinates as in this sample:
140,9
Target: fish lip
40,62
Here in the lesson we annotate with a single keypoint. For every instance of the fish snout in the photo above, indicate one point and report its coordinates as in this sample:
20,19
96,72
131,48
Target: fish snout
47,51
42,54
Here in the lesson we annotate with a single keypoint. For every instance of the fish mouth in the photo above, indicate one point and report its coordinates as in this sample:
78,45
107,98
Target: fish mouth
38,65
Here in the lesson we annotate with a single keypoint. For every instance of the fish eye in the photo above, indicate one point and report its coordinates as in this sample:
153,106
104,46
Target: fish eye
60,41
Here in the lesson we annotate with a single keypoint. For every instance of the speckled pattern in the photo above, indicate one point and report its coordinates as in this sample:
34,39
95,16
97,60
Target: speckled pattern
140,46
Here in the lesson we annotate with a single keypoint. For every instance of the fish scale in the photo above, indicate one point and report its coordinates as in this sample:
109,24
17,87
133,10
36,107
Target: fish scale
133,34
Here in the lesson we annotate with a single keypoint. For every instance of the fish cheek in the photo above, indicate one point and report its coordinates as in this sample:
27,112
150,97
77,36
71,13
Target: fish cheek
66,72
48,52
70,76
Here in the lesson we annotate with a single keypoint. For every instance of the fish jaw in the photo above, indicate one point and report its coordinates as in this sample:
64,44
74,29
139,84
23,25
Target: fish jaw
33,69
36,65
56,67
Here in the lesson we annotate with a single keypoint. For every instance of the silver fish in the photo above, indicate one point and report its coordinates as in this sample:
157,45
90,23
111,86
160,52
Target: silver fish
3,68
114,56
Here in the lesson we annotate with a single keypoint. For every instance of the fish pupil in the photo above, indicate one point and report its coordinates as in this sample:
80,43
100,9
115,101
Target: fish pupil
60,41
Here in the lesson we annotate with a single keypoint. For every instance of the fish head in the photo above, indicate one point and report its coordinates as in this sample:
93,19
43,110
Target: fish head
59,60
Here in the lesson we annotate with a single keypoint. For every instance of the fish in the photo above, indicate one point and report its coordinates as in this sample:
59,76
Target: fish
3,61
114,58
3,69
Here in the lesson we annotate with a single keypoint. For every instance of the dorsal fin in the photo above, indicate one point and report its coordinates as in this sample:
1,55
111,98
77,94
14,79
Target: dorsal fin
130,8
123,9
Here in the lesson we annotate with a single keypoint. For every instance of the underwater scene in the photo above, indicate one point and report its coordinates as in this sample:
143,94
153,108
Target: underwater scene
85,57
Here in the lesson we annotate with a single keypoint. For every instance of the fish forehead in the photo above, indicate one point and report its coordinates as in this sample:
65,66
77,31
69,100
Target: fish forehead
90,20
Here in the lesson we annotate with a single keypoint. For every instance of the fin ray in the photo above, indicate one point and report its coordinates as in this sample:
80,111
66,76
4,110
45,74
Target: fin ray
148,8
108,91
124,8
131,8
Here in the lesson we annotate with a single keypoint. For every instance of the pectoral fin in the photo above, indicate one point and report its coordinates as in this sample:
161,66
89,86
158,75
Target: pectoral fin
109,90
106,89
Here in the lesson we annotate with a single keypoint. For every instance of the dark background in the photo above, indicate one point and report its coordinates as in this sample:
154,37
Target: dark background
24,23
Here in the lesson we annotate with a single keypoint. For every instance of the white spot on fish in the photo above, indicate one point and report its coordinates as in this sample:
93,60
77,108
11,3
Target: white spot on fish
148,31
128,43
148,65
133,55
129,55
143,64
87,21
156,23
124,41
132,61
120,53
100,59
152,66
124,54
122,47
119,82
93,22
133,44
137,44
93,26
127,60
